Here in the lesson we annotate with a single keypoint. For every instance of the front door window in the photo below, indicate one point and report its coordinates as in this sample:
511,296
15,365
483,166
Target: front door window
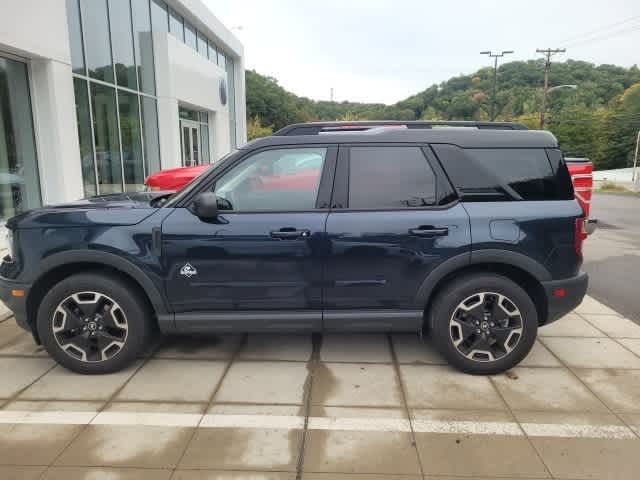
19,183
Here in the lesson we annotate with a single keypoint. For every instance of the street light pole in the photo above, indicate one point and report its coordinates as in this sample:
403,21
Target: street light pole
495,77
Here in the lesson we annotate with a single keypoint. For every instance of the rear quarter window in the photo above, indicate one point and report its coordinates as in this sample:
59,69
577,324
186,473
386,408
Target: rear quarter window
503,173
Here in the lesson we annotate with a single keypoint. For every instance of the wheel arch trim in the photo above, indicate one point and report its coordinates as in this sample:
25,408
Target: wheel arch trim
479,257
108,260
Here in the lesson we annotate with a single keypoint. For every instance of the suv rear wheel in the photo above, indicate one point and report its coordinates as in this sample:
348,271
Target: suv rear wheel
93,323
484,323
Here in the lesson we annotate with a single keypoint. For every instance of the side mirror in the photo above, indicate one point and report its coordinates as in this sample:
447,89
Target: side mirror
205,206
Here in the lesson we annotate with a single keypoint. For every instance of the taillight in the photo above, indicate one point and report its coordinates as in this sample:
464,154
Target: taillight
580,235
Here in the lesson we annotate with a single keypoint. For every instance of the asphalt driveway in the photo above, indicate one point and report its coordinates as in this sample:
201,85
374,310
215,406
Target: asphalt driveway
612,253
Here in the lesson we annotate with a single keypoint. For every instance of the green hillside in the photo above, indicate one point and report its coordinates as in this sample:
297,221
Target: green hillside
600,119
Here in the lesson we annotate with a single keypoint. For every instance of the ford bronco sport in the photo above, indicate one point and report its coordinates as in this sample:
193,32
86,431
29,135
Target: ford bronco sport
470,233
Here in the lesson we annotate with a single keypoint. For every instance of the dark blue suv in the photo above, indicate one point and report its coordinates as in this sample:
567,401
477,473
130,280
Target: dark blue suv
472,234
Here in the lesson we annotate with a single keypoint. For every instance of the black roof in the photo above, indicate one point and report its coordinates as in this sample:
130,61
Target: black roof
462,137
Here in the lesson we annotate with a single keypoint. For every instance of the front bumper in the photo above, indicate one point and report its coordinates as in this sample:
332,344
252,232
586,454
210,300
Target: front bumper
574,289
18,305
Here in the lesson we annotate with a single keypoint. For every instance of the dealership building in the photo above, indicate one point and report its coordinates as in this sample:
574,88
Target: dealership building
97,94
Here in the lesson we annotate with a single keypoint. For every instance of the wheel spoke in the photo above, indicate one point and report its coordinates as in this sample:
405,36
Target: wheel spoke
505,337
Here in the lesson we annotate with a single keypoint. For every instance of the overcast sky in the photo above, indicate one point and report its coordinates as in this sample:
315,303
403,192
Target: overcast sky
386,50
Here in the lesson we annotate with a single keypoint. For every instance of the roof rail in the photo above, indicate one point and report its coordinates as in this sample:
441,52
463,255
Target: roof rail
315,128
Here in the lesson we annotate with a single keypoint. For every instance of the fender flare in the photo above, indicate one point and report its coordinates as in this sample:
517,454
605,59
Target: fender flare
110,260
478,257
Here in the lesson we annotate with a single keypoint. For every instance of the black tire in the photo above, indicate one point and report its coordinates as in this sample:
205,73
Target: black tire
483,287
131,334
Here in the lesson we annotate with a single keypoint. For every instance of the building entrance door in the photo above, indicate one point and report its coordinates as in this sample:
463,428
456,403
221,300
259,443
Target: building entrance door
190,143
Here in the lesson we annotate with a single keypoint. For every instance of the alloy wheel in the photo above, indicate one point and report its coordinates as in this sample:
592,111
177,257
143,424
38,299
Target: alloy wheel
486,326
90,326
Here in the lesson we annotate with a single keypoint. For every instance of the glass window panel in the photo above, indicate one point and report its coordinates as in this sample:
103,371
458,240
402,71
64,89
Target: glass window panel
122,43
204,117
83,119
231,101
96,36
195,142
150,134
186,147
390,177
105,131
75,36
203,48
190,35
280,179
222,60
143,44
213,53
188,114
159,16
204,134
176,25
19,183
131,141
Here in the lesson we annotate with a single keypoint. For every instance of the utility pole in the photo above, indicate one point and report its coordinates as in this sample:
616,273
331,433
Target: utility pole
495,57
547,67
331,94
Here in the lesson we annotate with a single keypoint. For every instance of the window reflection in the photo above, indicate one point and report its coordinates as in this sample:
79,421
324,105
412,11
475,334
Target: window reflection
131,142
122,43
19,183
105,131
96,37
159,16
190,35
83,118
143,45
150,134
75,36
176,25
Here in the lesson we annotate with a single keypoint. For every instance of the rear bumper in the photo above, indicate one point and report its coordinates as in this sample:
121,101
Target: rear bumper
18,305
574,289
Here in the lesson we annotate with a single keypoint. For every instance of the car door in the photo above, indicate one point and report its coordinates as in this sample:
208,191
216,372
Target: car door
264,251
394,219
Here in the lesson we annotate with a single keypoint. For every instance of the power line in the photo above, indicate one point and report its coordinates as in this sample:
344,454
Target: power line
597,30
606,36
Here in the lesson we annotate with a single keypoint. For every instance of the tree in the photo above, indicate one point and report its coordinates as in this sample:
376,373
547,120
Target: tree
598,120
255,129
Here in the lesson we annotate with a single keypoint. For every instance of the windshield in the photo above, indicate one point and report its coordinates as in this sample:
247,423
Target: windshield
186,190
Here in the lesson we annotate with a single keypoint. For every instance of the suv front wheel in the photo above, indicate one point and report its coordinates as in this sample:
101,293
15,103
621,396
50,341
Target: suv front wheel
484,323
93,323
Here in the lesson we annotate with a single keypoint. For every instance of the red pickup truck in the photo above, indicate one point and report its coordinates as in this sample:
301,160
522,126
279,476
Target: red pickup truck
580,169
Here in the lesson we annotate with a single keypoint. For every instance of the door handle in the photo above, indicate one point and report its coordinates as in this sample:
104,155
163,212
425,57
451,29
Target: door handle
429,231
290,233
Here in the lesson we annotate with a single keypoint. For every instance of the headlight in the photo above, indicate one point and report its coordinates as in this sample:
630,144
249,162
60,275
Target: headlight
9,241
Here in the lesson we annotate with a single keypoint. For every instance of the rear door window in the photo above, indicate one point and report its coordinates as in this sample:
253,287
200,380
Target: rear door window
390,178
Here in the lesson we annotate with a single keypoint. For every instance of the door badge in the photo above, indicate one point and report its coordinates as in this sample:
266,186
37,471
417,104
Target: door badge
188,270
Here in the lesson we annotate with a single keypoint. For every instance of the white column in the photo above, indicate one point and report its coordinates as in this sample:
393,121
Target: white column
241,102
56,131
